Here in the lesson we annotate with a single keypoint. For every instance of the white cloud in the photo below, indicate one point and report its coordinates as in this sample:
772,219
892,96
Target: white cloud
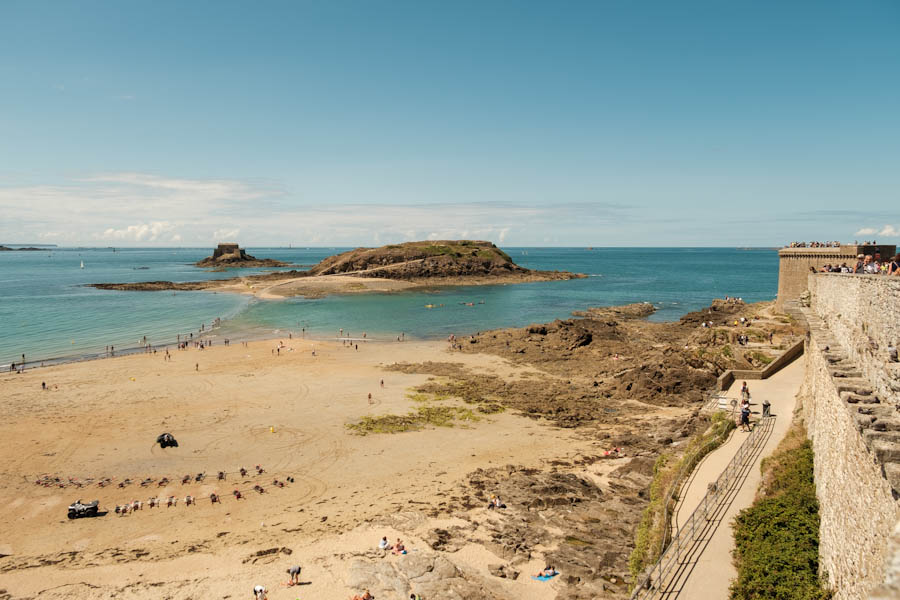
175,238
226,234
885,231
143,232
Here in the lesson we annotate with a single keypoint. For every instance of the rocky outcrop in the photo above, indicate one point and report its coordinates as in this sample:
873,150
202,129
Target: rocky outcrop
431,260
429,575
232,255
627,311
415,263
619,355
719,313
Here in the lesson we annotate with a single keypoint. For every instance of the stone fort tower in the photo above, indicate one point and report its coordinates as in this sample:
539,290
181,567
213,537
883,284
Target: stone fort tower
795,264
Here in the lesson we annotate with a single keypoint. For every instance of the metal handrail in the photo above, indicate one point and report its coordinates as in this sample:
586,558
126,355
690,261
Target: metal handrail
670,556
678,480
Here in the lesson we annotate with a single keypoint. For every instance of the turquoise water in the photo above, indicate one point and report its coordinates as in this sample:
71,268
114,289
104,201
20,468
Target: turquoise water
46,313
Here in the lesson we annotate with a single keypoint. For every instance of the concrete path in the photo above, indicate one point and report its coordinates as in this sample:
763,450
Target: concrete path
706,571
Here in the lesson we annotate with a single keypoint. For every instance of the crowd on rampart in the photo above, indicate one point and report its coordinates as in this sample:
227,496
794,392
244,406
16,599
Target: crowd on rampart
830,244
866,264
813,245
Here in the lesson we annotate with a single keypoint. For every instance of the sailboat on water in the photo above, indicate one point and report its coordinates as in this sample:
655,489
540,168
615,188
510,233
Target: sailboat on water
82,264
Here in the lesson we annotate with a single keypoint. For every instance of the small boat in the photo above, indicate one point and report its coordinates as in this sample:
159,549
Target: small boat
429,306
82,264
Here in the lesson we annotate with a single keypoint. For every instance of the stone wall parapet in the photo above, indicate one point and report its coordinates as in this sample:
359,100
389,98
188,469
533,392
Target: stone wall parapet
863,313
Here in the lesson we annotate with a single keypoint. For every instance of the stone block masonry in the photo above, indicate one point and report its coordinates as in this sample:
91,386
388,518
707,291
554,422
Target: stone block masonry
863,313
794,265
850,401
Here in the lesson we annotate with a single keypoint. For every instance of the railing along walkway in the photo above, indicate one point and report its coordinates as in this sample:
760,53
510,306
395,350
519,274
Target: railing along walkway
666,578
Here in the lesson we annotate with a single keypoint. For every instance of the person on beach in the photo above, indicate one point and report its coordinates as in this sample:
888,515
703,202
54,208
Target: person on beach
260,592
745,392
399,548
370,397
294,572
382,383
384,544
197,366
549,571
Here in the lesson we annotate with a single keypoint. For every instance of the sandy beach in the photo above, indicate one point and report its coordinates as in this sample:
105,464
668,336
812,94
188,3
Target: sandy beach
233,407
536,415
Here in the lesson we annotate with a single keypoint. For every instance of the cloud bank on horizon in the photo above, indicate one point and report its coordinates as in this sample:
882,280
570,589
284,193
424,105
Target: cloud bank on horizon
138,209
141,209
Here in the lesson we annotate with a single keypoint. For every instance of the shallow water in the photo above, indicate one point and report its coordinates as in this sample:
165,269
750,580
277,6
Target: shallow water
45,311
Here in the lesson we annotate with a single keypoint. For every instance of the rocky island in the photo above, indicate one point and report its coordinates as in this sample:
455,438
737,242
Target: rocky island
232,255
388,268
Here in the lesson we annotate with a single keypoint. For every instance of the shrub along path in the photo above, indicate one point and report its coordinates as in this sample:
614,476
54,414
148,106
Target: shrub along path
707,570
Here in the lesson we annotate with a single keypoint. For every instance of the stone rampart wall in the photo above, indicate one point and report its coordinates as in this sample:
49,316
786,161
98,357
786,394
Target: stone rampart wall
856,504
863,313
850,408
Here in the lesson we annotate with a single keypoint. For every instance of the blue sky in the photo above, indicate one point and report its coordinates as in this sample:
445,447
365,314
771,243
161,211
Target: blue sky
604,123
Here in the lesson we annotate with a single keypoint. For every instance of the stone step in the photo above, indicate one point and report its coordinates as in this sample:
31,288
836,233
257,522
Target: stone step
892,474
854,385
845,373
851,398
879,411
885,445
863,422
889,424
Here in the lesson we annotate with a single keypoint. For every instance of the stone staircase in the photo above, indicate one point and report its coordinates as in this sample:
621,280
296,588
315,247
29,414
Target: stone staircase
878,421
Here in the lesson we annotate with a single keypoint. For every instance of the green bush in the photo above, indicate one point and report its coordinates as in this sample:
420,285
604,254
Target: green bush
777,539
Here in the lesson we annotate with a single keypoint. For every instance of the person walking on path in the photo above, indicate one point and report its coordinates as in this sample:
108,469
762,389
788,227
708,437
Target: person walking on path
745,417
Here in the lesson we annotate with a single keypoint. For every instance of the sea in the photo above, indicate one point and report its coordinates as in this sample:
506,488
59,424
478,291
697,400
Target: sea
49,314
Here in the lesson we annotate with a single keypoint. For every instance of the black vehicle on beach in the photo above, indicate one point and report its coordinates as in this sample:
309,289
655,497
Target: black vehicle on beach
166,439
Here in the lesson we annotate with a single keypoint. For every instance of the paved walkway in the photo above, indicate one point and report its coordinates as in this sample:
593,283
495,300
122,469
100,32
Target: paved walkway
707,570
